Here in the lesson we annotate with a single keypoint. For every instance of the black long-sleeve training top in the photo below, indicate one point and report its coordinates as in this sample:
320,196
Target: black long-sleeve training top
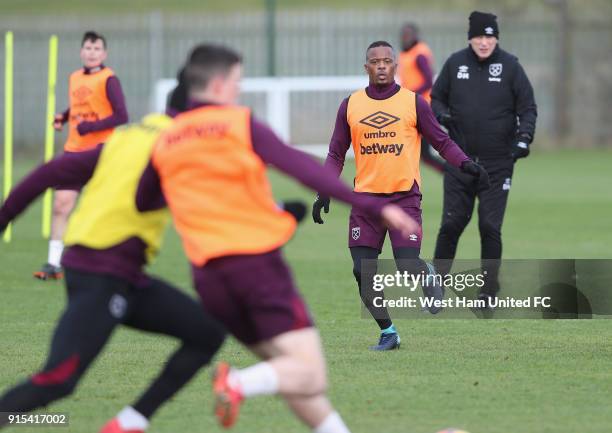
491,102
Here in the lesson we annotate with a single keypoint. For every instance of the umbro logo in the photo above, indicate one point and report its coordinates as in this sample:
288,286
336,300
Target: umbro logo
82,92
463,73
379,120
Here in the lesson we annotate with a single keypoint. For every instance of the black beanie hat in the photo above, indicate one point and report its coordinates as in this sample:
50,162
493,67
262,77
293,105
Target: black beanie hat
483,24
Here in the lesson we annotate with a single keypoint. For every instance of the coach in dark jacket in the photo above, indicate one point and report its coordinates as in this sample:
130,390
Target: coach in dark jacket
485,99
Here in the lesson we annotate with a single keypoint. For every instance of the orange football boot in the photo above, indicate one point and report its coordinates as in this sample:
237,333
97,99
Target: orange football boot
49,272
113,427
227,398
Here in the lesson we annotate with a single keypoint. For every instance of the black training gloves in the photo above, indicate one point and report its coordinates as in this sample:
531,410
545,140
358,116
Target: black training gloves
474,169
444,119
520,149
320,203
296,208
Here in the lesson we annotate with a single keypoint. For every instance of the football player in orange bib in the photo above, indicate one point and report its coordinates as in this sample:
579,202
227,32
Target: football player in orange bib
96,107
210,165
415,72
384,122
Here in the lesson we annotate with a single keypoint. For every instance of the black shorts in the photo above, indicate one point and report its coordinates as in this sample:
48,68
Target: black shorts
97,304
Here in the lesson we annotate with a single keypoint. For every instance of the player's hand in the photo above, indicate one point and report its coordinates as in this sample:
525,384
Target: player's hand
478,171
520,149
58,122
296,208
445,119
395,218
320,203
84,128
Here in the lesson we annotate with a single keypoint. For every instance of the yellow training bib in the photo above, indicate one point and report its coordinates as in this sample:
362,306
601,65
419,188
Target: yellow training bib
106,214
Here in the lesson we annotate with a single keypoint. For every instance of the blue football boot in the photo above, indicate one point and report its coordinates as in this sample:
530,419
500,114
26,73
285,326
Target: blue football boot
388,341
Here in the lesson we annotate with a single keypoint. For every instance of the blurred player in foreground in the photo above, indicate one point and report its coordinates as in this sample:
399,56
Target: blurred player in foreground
385,122
97,106
109,243
415,72
210,166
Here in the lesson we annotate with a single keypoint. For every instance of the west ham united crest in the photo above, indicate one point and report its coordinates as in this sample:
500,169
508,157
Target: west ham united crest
356,232
495,69
117,306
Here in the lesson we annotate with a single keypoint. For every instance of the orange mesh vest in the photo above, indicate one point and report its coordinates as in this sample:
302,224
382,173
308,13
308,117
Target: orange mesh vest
216,185
409,74
386,142
88,102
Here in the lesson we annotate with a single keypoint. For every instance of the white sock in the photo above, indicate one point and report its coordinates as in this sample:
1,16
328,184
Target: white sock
56,248
130,419
260,379
332,424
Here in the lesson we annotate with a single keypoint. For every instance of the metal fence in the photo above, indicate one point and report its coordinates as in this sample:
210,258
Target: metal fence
144,48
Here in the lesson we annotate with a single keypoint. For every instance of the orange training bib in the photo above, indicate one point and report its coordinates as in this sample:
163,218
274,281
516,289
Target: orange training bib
386,142
216,185
410,76
88,102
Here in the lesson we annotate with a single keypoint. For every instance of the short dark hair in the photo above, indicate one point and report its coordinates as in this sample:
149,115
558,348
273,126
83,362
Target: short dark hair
93,37
412,26
206,61
378,44
178,98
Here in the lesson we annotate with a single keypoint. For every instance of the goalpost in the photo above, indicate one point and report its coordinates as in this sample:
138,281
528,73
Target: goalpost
277,92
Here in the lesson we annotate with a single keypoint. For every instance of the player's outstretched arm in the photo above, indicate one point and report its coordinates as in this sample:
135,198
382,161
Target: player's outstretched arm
395,218
66,170
338,146
297,164
340,141
312,174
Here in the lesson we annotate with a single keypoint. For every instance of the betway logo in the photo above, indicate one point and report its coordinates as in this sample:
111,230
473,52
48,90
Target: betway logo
210,130
378,148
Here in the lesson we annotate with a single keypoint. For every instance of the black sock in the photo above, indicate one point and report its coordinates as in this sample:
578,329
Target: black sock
407,259
365,284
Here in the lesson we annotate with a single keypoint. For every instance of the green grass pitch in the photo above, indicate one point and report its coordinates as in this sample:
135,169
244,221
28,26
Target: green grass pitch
483,376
